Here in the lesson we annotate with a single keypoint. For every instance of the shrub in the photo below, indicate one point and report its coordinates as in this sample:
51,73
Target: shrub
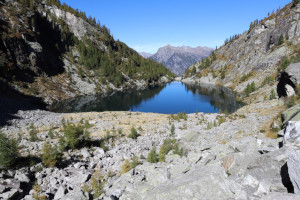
290,101
127,166
165,148
172,129
179,116
249,89
133,133
73,135
252,87
8,152
51,134
226,112
63,122
209,125
86,135
33,133
246,77
120,132
272,95
50,155
284,64
179,151
222,74
266,81
103,146
280,40
97,184
38,193
152,156
193,71
221,120
62,144
214,74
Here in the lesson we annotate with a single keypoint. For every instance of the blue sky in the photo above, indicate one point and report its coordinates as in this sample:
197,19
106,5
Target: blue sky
146,25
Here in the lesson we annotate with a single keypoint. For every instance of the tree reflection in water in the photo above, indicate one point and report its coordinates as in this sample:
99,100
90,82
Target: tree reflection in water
170,98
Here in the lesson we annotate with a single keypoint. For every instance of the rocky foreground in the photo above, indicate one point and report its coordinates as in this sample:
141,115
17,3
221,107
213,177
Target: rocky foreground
222,157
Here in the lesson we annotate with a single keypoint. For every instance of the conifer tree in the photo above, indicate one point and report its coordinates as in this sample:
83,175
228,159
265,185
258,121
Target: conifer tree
280,40
8,152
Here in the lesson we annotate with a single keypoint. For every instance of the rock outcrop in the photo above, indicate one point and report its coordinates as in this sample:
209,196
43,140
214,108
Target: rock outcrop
256,56
46,51
291,114
294,71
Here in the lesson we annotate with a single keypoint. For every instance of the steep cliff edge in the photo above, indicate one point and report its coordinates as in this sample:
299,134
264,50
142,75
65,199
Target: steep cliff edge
257,57
54,52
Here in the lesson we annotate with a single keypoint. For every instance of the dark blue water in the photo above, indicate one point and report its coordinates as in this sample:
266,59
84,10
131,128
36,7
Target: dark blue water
172,98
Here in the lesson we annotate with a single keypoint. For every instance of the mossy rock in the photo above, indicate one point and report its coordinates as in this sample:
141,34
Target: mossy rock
292,114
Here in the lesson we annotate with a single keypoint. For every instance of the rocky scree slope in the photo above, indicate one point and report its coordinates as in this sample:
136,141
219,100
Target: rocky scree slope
219,156
260,55
54,52
178,59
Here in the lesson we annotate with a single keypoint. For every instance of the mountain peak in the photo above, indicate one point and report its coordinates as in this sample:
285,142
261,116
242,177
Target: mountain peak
179,58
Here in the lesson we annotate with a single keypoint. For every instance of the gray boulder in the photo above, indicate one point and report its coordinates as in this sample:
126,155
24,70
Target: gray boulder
22,178
75,195
280,196
292,114
60,193
12,194
292,133
293,164
294,71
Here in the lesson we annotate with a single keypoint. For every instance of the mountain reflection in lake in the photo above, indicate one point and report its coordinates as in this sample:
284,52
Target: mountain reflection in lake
172,98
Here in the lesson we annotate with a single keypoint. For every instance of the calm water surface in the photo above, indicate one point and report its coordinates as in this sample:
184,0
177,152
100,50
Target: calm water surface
172,98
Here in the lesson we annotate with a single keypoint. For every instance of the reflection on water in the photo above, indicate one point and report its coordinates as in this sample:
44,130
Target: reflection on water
219,97
172,98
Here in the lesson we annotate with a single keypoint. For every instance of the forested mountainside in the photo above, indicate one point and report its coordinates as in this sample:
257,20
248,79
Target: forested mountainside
55,52
257,60
178,59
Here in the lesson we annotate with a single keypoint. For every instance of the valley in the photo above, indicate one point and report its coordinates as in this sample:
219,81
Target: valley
178,59
234,133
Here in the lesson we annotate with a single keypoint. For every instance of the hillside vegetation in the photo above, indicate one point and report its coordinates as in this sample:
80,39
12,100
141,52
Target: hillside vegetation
53,51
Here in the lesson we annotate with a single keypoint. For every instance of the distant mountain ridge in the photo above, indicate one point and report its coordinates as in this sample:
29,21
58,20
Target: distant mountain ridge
145,55
178,59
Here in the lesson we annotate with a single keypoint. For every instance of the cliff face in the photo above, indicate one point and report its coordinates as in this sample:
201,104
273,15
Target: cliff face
178,59
256,55
51,51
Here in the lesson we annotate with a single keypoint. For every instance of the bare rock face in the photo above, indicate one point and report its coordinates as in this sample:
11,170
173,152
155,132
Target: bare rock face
294,170
77,25
178,59
256,52
289,90
293,71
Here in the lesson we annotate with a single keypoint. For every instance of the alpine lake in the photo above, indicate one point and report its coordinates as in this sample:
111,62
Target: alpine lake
171,98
